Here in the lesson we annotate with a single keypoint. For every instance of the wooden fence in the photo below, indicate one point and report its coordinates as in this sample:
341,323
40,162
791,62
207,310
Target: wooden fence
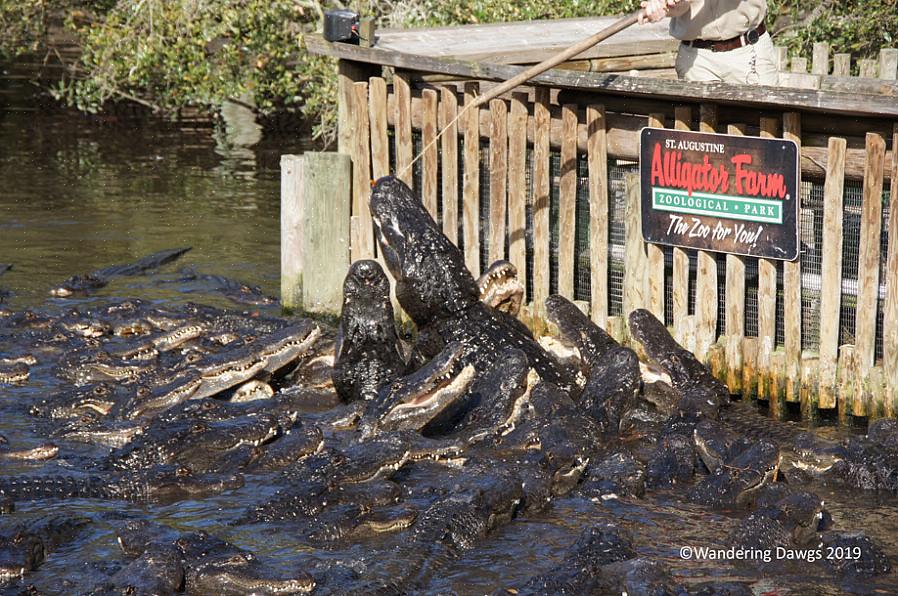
845,137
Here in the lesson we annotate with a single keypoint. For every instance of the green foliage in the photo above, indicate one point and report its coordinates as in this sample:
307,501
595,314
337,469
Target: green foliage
168,54
860,28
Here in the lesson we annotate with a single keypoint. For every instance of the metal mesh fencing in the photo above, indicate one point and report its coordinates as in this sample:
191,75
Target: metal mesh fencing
811,239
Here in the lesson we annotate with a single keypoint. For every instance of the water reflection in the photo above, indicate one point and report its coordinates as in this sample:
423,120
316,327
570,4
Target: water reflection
77,197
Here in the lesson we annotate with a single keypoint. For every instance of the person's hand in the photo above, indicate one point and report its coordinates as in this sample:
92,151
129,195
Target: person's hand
655,10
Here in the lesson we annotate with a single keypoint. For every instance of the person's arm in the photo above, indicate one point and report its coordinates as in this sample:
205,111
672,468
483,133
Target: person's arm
655,10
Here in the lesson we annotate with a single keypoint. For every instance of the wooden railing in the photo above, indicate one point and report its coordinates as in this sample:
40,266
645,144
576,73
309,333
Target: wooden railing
599,116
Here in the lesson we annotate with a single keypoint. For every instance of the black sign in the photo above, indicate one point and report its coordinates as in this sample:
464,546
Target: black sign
724,193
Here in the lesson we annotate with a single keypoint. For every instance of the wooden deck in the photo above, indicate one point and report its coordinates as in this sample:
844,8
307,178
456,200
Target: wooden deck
525,42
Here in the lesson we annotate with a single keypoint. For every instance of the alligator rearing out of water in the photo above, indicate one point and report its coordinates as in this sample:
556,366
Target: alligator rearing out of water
438,292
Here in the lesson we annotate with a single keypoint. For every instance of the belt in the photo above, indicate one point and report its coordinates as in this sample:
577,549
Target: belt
725,45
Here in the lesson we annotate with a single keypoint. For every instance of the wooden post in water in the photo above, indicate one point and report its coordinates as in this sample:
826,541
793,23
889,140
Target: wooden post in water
291,231
316,199
735,306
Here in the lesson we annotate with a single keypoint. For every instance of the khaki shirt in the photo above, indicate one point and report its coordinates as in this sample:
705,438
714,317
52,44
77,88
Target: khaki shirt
718,19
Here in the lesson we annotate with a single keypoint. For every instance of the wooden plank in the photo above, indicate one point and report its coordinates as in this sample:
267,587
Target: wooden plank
623,135
430,156
781,58
868,266
567,201
377,116
888,64
868,68
847,372
842,65
680,275
799,64
471,183
808,392
792,284
517,185
890,312
820,59
347,74
291,231
404,145
326,203
524,42
655,256
597,155
540,201
706,269
767,304
634,281
449,171
361,174
800,80
831,272
735,306
749,367
670,90
498,178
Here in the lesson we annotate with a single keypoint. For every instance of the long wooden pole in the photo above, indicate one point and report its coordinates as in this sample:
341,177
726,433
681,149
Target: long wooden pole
536,70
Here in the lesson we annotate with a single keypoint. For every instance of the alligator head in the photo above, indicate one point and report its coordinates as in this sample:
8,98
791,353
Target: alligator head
500,288
415,400
367,350
431,278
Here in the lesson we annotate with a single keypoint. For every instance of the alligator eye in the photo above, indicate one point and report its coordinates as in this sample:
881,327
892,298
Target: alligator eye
182,472
143,392
198,428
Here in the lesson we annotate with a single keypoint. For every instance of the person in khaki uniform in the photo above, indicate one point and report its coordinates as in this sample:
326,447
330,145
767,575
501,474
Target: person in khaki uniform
722,40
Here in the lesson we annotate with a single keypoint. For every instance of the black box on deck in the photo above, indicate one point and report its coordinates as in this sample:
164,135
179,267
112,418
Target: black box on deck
341,25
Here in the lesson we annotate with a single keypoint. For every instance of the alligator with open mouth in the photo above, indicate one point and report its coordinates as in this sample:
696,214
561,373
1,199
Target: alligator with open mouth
438,292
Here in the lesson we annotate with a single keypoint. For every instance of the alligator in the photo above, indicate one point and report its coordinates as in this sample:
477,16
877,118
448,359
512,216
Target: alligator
239,292
25,546
580,571
39,453
736,482
155,484
368,354
500,288
82,284
198,563
690,377
438,292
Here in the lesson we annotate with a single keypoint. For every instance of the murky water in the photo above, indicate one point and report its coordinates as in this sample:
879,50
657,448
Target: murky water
76,197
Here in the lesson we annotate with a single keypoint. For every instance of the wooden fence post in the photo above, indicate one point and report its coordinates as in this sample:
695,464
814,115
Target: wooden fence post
706,269
325,199
792,305
868,270
361,176
655,256
890,309
680,276
402,93
517,185
767,309
498,178
831,275
635,262
449,170
429,160
842,65
567,201
735,306
888,64
540,202
291,232
597,156
820,60
471,182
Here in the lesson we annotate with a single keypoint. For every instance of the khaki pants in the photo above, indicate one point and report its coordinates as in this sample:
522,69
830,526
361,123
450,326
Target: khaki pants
748,65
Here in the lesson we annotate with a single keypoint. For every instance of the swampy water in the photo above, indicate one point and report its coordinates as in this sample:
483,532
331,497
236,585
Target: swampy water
77,194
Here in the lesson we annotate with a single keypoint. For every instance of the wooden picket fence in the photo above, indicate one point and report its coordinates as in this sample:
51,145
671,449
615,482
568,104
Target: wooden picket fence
388,98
